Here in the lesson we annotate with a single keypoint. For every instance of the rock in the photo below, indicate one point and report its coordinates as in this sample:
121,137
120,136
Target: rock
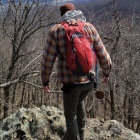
109,130
48,123
34,124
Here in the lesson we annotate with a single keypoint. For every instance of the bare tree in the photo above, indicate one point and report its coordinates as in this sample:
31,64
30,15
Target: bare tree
20,20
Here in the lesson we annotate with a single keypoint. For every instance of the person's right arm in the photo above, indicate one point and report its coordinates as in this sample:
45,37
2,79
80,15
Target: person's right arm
48,58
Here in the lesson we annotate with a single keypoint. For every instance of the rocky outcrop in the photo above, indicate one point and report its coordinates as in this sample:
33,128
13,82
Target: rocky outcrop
45,123
48,123
109,130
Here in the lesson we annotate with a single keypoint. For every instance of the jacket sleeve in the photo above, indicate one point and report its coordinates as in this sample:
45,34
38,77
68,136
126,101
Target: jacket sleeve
48,57
101,52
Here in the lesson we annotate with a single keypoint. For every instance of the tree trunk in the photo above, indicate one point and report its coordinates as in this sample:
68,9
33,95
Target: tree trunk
105,109
138,127
33,96
22,95
1,93
14,94
28,103
129,112
37,96
6,102
112,104
124,109
132,124
41,97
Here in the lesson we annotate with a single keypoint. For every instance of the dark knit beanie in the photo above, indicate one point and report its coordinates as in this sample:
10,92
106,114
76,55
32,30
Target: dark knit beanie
66,7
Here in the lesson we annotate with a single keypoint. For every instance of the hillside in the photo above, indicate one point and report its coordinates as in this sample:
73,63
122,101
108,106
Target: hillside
48,123
124,7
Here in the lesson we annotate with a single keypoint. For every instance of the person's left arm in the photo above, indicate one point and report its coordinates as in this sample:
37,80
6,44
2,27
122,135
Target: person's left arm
101,52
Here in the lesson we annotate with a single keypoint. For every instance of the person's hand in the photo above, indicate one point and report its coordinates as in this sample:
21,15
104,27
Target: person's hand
105,79
47,89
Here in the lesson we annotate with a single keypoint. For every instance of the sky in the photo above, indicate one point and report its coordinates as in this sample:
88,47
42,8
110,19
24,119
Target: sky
59,1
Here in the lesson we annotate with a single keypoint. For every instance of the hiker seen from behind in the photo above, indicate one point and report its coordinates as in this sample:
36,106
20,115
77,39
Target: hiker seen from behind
78,46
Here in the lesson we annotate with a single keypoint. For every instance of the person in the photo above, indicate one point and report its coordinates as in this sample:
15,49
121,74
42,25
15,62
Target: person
75,88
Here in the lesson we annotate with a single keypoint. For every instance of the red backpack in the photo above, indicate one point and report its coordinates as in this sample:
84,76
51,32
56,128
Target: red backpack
80,55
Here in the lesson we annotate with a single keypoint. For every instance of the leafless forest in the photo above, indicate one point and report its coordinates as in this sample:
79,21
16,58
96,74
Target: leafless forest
23,30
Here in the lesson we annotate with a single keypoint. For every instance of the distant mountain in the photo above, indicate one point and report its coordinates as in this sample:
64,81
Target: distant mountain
124,6
130,6
77,1
103,9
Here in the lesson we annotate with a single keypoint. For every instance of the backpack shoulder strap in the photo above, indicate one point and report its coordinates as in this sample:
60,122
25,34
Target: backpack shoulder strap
80,23
64,23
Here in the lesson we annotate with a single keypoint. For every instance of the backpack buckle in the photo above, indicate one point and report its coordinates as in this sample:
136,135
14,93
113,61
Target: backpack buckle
71,23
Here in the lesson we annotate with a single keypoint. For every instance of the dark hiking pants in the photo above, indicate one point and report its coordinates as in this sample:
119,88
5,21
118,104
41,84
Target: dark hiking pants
74,109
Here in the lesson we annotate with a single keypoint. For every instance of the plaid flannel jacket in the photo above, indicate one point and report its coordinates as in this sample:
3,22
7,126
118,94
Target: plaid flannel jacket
55,46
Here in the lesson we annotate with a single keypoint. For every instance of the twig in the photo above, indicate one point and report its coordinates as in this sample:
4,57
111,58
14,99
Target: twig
29,65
